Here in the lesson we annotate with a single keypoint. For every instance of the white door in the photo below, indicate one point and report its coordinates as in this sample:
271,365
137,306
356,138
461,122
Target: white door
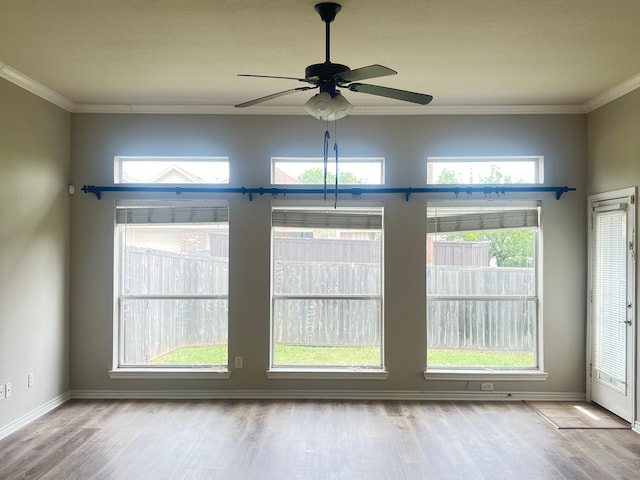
612,303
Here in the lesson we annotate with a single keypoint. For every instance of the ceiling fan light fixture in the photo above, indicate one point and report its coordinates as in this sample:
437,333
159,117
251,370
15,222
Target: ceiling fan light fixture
341,107
319,106
324,107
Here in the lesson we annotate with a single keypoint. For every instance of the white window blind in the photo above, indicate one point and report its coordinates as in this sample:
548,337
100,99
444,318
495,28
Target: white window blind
446,220
610,290
171,214
341,219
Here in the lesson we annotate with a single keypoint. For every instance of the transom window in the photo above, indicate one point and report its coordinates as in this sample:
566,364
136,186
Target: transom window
172,284
482,283
173,170
326,304
310,171
485,170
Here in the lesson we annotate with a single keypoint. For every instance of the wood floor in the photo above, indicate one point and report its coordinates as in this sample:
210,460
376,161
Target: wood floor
252,439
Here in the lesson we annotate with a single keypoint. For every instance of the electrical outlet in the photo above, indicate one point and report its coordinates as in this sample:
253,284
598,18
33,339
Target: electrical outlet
239,362
487,387
30,380
7,390
1,391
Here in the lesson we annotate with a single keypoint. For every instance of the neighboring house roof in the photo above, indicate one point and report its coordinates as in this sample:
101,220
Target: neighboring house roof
175,174
282,178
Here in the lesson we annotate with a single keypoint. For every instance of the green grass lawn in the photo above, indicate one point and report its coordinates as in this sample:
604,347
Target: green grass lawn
297,355
361,356
479,358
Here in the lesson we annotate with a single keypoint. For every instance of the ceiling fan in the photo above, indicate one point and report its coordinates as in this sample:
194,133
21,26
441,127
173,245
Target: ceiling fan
329,103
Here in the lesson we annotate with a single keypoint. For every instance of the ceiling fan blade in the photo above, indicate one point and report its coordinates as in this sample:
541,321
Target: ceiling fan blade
364,73
272,76
419,98
272,96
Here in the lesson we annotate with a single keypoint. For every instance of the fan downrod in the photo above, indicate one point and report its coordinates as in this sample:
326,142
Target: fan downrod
323,73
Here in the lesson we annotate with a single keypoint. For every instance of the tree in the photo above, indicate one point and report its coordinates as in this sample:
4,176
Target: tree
496,177
510,248
447,177
315,176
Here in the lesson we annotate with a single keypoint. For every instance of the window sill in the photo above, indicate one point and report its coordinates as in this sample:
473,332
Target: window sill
327,373
170,373
486,374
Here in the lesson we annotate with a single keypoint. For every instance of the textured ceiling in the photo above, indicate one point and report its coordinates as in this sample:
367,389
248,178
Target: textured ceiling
189,52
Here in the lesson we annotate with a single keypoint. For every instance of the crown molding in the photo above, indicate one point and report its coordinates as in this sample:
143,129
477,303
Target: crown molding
30,85
357,111
612,94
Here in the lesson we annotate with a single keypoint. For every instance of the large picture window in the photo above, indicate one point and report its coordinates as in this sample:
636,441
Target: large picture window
327,287
482,278
172,284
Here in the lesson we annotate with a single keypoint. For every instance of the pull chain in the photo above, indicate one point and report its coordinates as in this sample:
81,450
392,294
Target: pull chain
335,149
326,159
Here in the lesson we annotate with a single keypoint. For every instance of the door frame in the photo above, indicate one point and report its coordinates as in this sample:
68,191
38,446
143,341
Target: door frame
623,194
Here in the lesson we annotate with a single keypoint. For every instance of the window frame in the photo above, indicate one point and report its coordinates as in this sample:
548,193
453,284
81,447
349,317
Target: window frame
535,373
119,369
276,371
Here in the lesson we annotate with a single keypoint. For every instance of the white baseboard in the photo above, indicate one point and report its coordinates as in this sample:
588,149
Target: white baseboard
324,395
33,415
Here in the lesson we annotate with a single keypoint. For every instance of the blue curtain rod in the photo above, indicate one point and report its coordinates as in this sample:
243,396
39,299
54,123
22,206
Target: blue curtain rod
353,191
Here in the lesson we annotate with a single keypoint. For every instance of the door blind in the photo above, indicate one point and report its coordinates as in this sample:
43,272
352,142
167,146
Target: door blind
610,292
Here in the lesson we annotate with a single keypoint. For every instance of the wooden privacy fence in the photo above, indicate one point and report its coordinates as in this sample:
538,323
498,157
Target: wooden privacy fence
153,326
326,320
504,321
310,307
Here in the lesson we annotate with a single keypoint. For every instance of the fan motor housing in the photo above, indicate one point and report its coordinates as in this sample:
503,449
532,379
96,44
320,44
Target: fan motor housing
324,72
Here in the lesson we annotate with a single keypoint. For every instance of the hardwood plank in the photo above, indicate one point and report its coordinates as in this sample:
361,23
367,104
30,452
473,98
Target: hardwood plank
311,439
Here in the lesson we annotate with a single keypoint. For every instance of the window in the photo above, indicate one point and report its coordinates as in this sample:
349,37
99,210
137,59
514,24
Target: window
326,288
485,170
173,170
310,171
482,283
172,285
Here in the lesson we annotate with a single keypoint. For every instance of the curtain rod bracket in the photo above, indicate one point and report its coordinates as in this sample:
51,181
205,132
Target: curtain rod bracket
92,189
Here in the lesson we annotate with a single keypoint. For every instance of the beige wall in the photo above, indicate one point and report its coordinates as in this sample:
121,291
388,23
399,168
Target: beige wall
614,156
614,145
405,142
34,251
